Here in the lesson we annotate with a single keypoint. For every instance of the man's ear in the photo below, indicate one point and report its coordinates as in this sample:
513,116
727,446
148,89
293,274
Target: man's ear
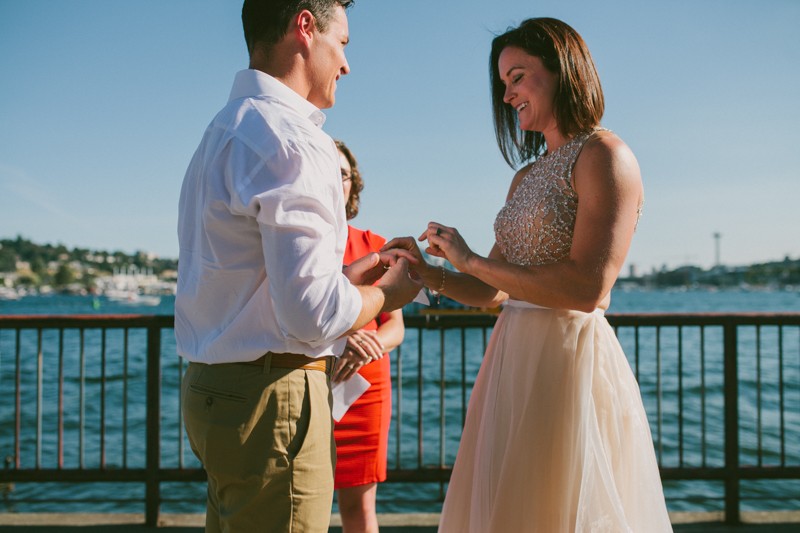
305,26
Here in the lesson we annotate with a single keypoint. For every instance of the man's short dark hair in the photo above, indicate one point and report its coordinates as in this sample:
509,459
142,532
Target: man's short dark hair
266,21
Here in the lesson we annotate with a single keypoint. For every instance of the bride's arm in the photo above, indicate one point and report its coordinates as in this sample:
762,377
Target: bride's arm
465,288
608,183
458,286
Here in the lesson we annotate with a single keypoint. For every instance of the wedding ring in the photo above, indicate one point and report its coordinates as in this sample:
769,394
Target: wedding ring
386,267
438,231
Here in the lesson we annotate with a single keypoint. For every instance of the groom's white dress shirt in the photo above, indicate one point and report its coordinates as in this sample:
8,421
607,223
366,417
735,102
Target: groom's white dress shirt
262,232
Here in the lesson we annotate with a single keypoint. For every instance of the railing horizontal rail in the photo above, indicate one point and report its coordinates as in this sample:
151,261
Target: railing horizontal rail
84,321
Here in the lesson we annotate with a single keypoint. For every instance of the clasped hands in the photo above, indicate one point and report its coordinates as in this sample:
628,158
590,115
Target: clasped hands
443,241
403,254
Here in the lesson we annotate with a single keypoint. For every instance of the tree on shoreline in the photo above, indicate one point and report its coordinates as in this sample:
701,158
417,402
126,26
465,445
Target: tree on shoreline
33,265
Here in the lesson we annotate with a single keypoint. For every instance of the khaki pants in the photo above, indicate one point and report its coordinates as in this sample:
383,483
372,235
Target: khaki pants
264,436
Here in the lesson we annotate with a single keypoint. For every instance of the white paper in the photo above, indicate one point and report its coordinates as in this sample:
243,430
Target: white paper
345,393
422,298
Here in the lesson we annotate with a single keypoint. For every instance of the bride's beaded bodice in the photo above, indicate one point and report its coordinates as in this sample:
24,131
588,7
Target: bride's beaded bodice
536,224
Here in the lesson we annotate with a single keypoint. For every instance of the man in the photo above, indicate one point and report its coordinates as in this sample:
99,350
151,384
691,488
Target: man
262,303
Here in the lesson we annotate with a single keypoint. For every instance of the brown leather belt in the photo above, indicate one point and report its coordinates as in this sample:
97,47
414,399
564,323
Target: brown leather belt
296,361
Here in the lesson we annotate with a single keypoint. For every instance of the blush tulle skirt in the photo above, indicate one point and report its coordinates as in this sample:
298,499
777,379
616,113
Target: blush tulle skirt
556,438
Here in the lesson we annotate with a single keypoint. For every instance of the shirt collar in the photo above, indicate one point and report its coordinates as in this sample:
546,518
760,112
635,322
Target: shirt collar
250,82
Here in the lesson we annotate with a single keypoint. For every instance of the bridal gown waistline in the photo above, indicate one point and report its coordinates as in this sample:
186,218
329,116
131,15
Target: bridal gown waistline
522,304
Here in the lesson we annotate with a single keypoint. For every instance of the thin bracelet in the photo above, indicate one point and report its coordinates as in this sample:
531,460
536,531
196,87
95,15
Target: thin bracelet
438,291
441,287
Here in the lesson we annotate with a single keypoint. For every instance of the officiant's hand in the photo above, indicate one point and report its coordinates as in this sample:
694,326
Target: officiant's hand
359,351
366,343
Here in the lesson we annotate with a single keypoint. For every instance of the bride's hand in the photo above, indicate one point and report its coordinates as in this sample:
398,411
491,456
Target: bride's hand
403,247
448,243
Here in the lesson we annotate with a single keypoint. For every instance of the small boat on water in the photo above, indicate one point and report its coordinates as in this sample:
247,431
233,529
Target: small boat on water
127,297
142,299
7,293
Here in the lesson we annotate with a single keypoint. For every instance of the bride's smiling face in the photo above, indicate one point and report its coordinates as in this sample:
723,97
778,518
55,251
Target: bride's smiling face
530,89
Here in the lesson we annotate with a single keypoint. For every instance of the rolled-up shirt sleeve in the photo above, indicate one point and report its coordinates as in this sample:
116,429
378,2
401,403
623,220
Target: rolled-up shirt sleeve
293,196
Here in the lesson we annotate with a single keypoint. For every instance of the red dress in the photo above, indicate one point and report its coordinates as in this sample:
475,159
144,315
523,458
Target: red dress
362,435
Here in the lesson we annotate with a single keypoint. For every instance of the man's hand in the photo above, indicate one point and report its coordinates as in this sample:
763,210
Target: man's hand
405,246
399,285
363,271
370,268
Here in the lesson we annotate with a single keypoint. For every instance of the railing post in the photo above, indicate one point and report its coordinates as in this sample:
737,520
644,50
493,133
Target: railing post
152,488
730,350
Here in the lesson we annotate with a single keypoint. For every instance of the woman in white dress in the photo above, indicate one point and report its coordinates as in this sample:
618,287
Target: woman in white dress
556,438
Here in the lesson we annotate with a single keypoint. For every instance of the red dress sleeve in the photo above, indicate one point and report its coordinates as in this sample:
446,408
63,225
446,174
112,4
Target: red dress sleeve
361,242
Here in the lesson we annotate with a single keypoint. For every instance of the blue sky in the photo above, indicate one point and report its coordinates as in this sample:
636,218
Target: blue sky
102,104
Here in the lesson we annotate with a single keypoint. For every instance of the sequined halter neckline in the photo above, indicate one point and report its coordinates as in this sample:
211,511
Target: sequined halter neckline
535,226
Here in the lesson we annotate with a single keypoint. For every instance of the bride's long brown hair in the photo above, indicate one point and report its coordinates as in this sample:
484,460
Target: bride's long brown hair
578,102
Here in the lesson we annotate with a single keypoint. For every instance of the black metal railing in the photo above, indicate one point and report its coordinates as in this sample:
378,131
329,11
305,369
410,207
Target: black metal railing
96,398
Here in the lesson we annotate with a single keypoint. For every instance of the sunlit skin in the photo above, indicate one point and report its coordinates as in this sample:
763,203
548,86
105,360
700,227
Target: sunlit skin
329,62
308,60
607,181
530,90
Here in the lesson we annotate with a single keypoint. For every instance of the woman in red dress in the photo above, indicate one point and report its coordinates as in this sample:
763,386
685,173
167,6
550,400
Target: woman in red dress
362,434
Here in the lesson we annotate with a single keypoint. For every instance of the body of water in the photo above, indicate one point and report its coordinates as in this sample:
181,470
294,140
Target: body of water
393,497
